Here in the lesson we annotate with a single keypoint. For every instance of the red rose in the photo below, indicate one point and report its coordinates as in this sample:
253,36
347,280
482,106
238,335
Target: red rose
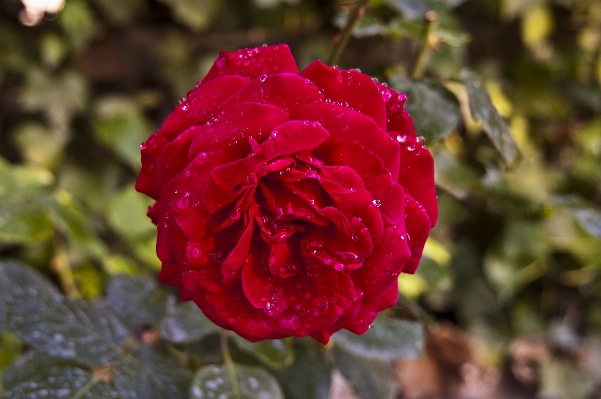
288,203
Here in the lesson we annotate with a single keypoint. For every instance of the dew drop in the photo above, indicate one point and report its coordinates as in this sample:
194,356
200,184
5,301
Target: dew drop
184,201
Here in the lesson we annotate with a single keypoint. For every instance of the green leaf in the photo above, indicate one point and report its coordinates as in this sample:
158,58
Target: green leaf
415,9
30,366
70,219
388,339
127,213
493,123
88,333
435,110
63,382
137,301
309,376
16,276
150,373
185,324
120,124
275,353
253,383
370,378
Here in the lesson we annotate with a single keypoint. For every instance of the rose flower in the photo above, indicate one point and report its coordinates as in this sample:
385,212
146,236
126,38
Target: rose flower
287,202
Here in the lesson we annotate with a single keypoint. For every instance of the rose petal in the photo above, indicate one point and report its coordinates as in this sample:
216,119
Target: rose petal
348,87
344,124
253,62
287,91
416,175
236,258
237,125
200,104
397,118
418,227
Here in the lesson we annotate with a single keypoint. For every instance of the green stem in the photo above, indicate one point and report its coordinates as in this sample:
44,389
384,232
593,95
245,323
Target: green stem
62,267
428,43
229,363
345,36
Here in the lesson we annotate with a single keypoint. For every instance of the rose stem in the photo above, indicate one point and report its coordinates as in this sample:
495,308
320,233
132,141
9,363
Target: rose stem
429,42
229,363
61,266
345,36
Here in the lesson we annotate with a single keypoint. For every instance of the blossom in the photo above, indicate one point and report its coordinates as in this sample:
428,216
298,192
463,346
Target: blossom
287,202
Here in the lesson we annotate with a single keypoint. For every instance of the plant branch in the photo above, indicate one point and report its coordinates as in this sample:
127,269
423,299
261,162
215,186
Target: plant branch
430,41
229,363
345,36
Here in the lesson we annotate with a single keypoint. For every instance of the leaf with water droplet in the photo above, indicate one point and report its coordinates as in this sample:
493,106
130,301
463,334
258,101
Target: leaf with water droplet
60,327
253,383
185,323
150,373
137,301
276,353
388,339
61,383
370,378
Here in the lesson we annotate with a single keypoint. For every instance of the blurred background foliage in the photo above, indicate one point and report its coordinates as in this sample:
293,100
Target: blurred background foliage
506,93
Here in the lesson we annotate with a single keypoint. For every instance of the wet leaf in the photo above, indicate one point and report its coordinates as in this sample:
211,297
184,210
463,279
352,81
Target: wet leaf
253,382
150,373
61,382
137,301
185,324
89,333
388,339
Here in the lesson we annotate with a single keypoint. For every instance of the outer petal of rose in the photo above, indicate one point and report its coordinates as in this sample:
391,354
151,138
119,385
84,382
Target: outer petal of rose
416,175
397,118
200,104
389,256
237,256
350,86
361,322
238,124
148,181
251,63
345,124
418,227
170,274
167,223
287,91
